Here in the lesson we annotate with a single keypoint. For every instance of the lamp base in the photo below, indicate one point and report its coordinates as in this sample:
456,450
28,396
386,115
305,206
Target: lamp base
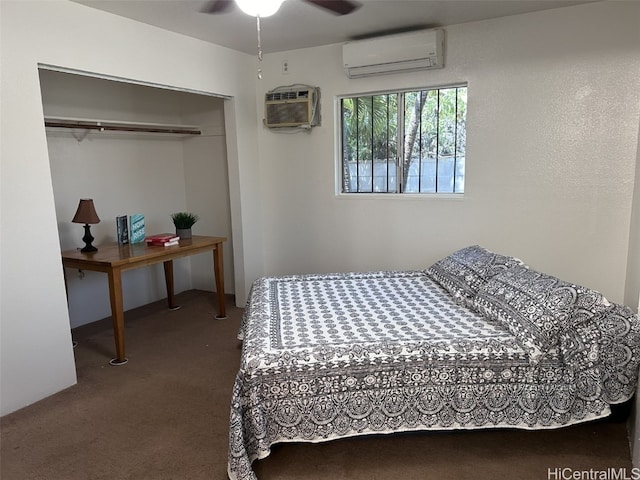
88,239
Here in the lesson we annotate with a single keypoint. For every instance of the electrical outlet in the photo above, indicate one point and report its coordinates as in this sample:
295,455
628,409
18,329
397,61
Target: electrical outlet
285,67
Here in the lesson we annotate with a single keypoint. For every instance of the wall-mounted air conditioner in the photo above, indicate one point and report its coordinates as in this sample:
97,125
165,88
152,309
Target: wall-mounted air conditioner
404,52
292,107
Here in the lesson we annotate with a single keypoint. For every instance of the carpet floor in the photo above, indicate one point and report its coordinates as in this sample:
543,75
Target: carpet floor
164,415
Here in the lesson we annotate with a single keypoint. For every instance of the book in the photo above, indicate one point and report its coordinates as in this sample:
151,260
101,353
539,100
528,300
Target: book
163,244
136,228
122,229
163,239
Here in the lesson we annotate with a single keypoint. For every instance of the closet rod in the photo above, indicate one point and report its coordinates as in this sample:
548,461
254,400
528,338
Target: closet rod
117,127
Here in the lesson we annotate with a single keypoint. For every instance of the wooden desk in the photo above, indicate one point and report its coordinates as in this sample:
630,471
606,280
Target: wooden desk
113,259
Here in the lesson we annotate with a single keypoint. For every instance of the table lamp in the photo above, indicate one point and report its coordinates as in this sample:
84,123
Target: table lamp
86,214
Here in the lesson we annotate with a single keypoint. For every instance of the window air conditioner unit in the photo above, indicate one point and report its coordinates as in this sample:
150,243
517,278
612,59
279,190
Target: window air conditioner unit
292,107
405,52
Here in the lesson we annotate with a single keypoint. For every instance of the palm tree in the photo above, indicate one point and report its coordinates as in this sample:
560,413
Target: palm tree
434,126
369,130
410,135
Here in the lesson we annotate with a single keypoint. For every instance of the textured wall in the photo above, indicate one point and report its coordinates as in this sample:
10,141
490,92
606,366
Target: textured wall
552,131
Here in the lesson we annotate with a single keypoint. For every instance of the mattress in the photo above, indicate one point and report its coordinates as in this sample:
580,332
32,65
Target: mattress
339,355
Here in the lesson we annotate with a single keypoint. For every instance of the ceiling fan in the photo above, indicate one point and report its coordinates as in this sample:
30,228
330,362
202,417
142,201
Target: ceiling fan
337,7
265,8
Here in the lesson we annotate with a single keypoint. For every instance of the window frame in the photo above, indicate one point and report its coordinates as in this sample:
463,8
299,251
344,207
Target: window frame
338,143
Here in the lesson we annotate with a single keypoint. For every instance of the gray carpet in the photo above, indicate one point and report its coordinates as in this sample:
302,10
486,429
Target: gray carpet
164,415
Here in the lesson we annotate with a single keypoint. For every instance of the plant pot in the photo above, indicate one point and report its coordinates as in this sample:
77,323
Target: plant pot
183,233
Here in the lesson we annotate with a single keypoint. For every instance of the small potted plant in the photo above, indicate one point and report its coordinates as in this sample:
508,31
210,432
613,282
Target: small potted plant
183,222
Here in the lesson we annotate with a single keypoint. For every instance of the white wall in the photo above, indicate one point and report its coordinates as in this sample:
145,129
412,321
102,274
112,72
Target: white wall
552,132
35,346
632,290
632,295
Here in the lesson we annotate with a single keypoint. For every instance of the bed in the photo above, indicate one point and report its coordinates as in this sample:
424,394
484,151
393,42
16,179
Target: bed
477,340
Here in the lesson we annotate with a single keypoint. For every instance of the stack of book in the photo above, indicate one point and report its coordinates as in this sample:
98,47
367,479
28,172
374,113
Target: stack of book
163,239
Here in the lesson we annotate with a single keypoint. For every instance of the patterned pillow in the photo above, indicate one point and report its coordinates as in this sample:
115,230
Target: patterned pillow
619,352
463,272
579,345
535,306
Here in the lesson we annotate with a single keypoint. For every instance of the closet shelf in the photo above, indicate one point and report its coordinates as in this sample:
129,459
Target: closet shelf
89,125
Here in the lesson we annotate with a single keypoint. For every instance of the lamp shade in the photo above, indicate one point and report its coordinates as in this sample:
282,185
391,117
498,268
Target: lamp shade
86,212
259,8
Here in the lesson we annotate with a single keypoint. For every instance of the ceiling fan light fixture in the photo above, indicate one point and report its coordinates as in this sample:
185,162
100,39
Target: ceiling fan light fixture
259,8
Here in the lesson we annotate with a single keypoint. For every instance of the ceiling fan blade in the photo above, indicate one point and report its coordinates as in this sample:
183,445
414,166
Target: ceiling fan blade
339,7
217,6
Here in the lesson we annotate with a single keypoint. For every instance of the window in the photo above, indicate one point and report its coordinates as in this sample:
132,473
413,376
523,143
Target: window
404,142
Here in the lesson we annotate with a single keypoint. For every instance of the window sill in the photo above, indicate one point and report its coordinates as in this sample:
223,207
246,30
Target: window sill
400,196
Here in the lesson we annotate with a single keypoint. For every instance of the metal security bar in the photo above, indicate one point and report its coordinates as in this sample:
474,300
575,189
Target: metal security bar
404,142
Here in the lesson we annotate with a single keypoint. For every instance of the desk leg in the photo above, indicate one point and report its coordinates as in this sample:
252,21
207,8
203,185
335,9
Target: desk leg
66,291
66,286
168,280
117,315
218,272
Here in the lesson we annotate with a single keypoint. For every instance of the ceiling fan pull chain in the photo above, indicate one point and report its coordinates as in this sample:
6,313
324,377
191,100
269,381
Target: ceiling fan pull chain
259,48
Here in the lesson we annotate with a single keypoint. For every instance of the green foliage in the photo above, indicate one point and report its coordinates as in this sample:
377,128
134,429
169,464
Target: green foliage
184,219
440,130
434,126
370,127
370,123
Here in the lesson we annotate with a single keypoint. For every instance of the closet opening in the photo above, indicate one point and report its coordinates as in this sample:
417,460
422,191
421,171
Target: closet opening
135,148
